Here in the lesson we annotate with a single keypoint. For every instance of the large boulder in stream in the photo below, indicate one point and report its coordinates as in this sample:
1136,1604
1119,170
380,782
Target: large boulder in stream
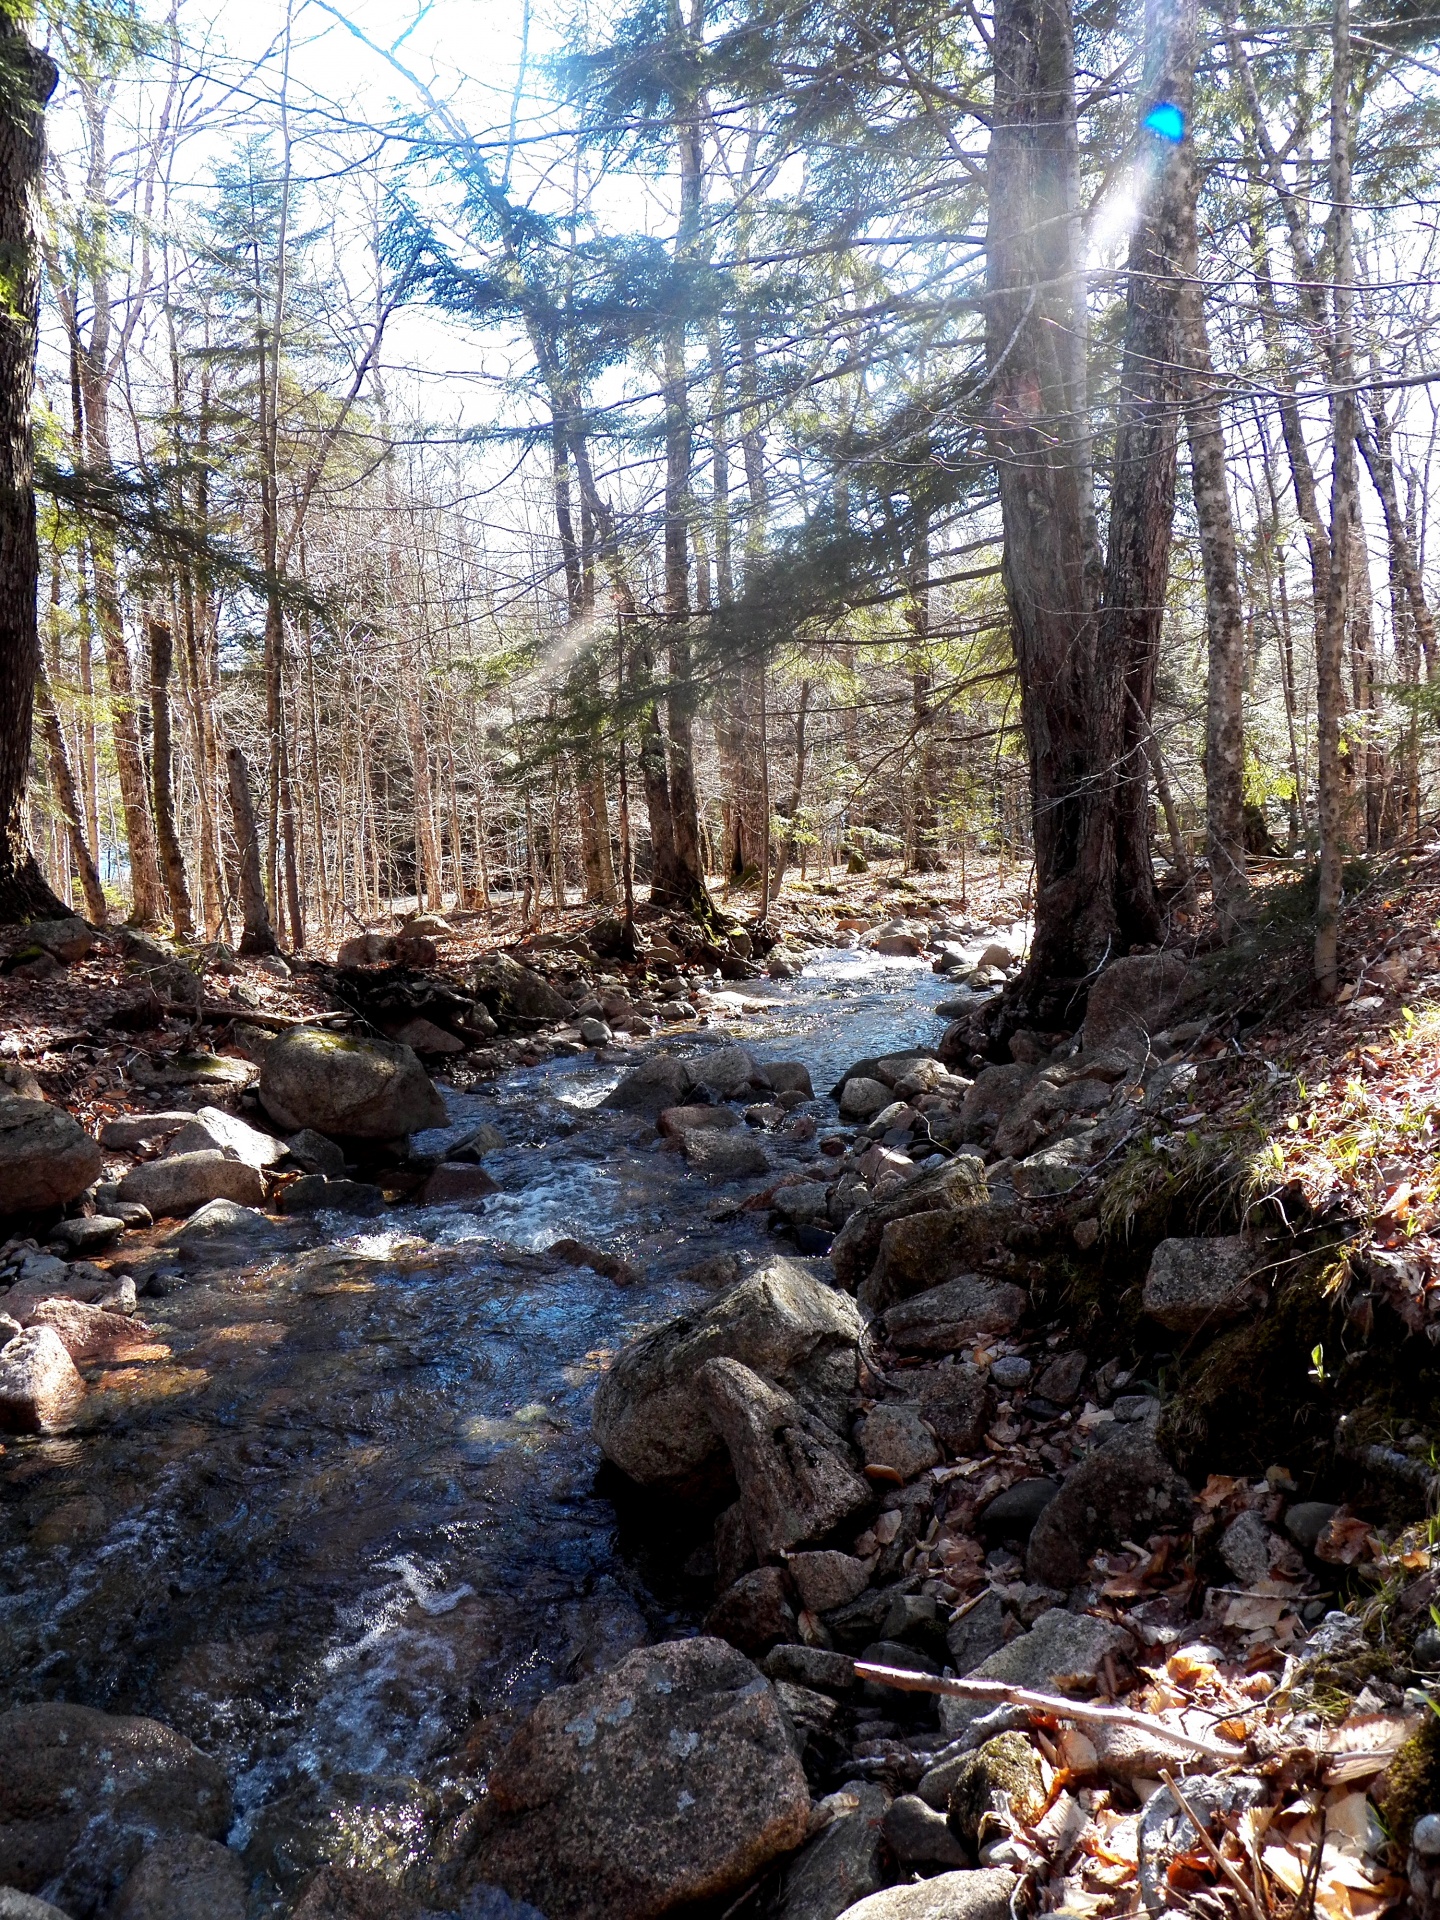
649,1416
657,1084
46,1158
84,1794
357,1089
668,1782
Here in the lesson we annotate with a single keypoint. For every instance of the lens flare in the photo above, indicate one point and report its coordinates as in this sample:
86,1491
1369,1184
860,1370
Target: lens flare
1167,121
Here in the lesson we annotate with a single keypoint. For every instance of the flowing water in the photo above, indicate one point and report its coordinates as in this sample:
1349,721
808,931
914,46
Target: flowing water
337,1518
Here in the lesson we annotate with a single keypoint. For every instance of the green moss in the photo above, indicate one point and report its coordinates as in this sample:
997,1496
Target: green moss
1410,1785
1005,1770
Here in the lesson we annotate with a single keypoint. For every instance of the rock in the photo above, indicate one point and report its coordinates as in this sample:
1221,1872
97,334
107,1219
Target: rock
416,950
814,1667
676,1122
223,1234
789,1076
1001,1776
1012,1515
1135,997
898,946
794,1484
358,1089
804,1203
1166,1829
595,1033
1193,1285
46,1158
983,1894
1060,1381
827,1579
841,1864
15,1905
860,1098
949,1316
426,926
754,1612
212,1130
1062,1653
346,1893
728,1072
725,1156
507,987
423,1036
484,1139
178,1184
198,1069
457,1183
85,1332
1124,1490
919,1836
657,1083
1307,1520
780,1320
84,1794
67,940
994,1094
313,1193
1253,1553
975,1634
956,1401
367,950
954,1188
1011,1372
39,1390
669,1780
315,1154
88,1234
130,1130
182,1877
895,1435
1052,1171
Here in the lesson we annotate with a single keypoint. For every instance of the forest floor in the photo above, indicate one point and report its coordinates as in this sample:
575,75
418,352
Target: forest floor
1308,1132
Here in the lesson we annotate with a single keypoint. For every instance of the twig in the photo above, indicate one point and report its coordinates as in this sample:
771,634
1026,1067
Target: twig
214,1011
1230,1872
1055,1704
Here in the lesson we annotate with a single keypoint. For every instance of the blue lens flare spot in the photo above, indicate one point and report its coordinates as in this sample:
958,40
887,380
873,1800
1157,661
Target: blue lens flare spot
1167,121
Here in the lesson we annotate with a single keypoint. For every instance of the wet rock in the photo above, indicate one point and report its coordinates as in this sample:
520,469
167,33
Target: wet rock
1125,1490
84,1794
827,1579
781,1321
983,1894
676,1122
15,1905
895,1435
1001,1776
89,1234
670,1780
507,987
358,1089
1062,1653
213,1131
46,1157
789,1076
657,1083
1307,1520
729,1072
795,1486
725,1156
223,1234
1197,1284
178,1184
316,1154
367,950
956,1402
860,1098
39,1390
1060,1381
1013,1514
754,1612
457,1183
811,1667
345,1893
1135,997
182,1877
976,1633
130,1130
954,1188
313,1193
948,1317
921,1837
68,940
85,1332
842,1863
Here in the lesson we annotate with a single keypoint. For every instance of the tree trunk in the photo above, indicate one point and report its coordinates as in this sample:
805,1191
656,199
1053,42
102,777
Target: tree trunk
162,656
29,81
1378,451
789,808
67,800
258,935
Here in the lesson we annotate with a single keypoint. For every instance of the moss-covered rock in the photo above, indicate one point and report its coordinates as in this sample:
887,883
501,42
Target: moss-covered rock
1005,1772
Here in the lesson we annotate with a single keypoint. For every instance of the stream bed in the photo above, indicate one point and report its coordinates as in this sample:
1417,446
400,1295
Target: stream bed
337,1518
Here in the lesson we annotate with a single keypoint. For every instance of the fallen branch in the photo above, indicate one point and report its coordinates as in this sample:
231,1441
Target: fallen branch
1055,1704
214,1011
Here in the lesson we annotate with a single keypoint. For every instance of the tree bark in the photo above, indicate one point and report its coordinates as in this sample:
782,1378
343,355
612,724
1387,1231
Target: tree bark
162,656
258,935
67,799
29,81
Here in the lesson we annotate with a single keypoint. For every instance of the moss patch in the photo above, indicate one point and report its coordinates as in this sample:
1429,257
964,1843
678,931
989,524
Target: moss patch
1410,1785
1005,1770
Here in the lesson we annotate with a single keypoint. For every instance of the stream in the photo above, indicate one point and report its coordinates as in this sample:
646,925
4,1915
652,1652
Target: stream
337,1518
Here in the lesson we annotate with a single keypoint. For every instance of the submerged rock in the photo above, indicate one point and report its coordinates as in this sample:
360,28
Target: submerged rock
671,1780
46,1157
182,1877
224,1234
788,1326
358,1089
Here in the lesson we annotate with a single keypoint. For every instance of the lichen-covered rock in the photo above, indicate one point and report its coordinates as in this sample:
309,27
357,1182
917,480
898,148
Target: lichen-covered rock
1195,1284
958,1402
68,940
1124,1490
46,1157
671,1780
780,1321
356,1089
